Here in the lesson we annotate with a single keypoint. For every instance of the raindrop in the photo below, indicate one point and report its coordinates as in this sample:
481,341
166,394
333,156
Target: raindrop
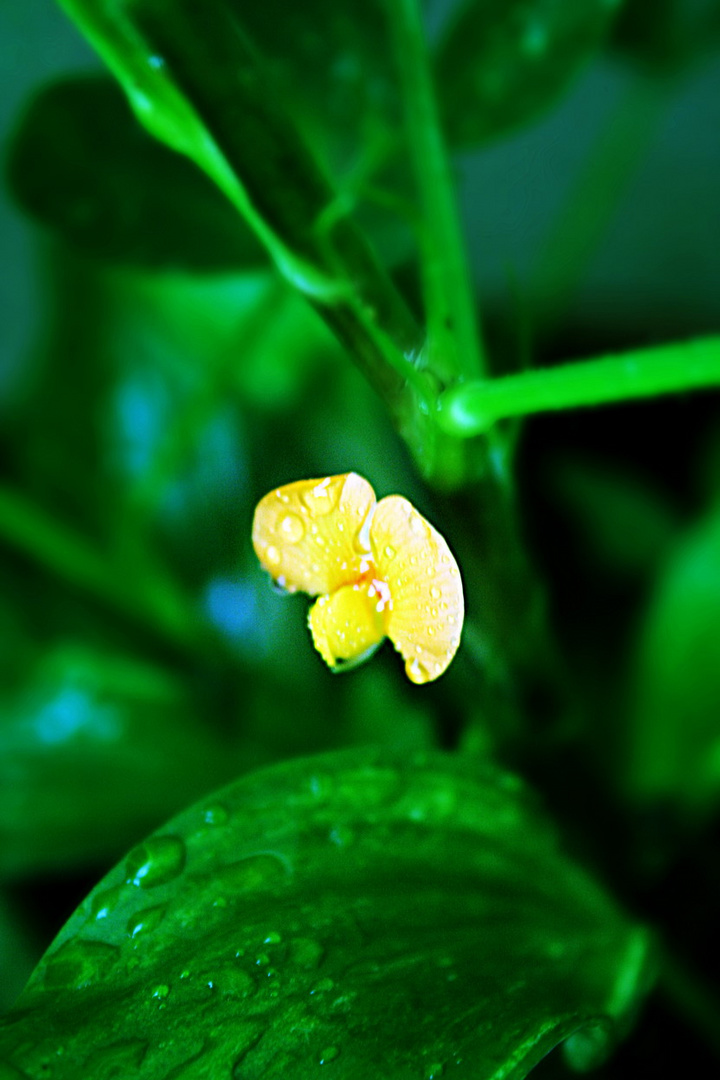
321,499
435,592
291,528
145,921
233,982
434,1072
329,1054
160,992
390,551
272,555
323,986
78,963
263,871
216,815
416,672
158,860
106,901
273,938
306,953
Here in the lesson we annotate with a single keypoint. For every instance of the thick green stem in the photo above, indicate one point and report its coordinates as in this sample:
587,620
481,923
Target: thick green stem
455,350
474,407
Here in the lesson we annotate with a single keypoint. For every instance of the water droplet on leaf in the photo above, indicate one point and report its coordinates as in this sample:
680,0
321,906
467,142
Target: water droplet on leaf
158,860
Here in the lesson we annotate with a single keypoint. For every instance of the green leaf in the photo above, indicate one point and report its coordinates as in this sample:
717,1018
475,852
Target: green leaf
377,915
94,750
82,165
198,81
674,733
675,36
503,62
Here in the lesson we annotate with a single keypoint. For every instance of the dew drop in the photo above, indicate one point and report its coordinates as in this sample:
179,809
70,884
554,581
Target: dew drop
329,1054
434,1071
160,992
342,836
106,901
256,872
76,964
273,938
158,860
306,953
435,592
233,982
416,672
292,529
321,499
216,815
390,551
323,987
272,555
146,920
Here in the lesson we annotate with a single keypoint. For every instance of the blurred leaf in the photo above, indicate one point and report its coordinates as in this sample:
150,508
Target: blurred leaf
503,62
674,736
198,81
82,165
394,916
94,751
674,35
625,523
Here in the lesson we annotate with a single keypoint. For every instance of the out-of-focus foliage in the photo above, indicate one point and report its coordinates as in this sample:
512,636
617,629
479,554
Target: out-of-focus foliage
197,298
81,164
499,65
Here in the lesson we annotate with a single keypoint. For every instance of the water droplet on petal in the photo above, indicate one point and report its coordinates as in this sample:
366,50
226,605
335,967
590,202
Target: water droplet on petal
390,551
292,529
158,860
417,672
321,499
435,592
272,555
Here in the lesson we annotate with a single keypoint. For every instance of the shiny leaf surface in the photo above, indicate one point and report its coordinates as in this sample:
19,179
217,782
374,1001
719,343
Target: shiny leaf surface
378,915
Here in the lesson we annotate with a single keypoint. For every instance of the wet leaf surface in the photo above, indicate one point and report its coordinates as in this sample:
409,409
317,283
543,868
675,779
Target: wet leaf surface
373,915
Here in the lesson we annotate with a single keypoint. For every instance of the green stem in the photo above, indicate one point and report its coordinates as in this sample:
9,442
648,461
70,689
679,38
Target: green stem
154,600
455,349
594,197
474,407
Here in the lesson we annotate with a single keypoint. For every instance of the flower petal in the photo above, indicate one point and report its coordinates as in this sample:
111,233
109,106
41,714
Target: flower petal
428,607
348,625
309,535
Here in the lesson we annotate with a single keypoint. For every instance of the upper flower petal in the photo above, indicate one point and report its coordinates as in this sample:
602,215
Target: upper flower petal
309,534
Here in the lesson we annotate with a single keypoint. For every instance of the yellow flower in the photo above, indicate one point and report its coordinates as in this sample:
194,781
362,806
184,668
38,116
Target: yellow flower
379,569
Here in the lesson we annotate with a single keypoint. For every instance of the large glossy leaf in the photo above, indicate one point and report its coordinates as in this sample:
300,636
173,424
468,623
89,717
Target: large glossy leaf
82,165
502,62
374,915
